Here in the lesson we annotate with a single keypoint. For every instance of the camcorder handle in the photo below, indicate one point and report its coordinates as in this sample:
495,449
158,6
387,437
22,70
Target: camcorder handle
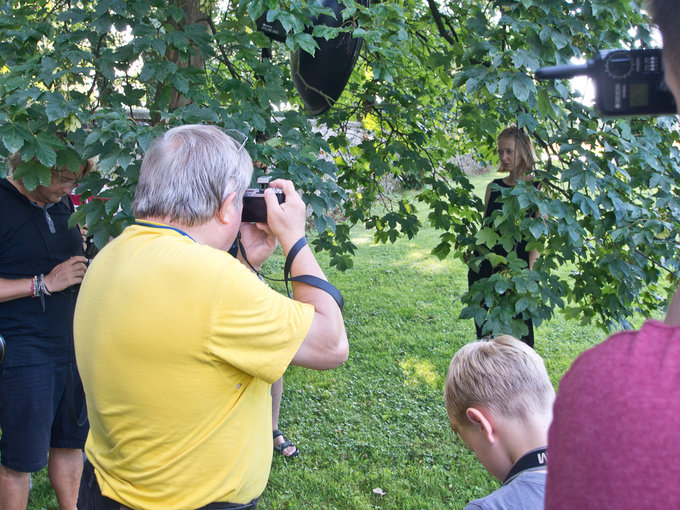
561,72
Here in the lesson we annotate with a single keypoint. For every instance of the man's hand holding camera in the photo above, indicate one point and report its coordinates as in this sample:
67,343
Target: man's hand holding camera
287,219
258,241
285,222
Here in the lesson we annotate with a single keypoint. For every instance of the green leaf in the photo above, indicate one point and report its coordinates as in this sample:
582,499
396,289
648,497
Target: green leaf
68,158
304,41
44,152
502,286
12,139
107,163
180,82
522,304
487,236
33,174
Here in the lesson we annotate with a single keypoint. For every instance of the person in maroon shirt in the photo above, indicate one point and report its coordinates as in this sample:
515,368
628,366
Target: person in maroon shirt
613,442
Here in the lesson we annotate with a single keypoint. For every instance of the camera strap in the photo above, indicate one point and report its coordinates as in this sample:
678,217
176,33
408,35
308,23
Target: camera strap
530,461
309,279
314,281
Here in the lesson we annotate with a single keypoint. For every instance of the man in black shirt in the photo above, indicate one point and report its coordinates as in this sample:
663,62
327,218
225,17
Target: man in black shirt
41,397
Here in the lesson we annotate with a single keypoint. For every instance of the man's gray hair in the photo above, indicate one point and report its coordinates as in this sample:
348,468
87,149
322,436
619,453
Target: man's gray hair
188,172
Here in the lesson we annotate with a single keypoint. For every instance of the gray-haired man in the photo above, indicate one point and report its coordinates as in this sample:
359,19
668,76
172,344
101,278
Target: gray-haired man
178,343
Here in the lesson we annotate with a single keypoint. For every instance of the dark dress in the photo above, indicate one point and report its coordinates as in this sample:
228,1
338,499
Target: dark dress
485,268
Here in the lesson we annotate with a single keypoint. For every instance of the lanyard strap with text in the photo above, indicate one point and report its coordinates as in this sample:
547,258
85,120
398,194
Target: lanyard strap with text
529,461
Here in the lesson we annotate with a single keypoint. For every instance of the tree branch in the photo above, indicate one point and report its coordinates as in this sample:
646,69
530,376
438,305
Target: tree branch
451,37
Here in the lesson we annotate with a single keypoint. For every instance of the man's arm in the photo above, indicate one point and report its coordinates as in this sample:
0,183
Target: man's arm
325,345
70,272
14,289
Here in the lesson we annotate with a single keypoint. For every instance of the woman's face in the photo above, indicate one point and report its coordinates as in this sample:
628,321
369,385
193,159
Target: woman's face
509,158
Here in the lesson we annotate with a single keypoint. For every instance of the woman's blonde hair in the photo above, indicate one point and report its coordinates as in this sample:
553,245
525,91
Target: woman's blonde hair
524,148
503,375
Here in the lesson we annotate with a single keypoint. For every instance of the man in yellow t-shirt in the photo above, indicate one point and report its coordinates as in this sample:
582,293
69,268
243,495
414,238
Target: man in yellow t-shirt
178,342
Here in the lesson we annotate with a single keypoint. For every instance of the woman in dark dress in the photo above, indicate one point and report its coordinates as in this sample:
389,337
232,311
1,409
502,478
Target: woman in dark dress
517,157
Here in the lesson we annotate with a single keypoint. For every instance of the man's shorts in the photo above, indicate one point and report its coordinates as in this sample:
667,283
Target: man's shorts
41,407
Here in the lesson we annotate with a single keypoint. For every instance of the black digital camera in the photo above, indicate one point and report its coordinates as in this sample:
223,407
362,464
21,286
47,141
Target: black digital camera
627,82
254,206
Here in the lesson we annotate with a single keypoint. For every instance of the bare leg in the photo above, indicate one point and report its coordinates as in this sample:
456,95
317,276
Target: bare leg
65,467
277,393
14,487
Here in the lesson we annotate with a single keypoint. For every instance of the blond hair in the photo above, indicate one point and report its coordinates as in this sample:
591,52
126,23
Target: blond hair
503,375
524,147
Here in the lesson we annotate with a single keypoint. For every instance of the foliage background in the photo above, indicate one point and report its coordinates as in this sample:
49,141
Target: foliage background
434,80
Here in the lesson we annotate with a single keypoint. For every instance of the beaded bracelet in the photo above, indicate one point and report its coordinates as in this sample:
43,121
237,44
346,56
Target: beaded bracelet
34,287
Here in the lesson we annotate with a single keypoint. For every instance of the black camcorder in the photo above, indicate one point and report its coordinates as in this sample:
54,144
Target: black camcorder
2,349
254,206
627,82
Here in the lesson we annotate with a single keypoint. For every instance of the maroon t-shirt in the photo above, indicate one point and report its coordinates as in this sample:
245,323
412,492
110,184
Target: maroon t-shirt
615,437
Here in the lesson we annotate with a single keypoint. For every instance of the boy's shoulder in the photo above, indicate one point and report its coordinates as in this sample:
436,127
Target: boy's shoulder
524,492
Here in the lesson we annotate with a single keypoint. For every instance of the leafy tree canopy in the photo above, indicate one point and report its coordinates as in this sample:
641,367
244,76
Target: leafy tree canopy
434,80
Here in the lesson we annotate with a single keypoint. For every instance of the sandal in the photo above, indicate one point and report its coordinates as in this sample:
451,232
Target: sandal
286,444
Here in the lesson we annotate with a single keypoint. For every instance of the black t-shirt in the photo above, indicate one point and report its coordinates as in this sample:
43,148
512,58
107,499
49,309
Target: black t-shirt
28,247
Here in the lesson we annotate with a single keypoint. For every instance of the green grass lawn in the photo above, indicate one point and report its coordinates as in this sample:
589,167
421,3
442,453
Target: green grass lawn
379,422
373,433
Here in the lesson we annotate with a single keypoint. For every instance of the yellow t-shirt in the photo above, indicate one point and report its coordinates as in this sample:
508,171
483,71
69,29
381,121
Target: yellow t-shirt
177,345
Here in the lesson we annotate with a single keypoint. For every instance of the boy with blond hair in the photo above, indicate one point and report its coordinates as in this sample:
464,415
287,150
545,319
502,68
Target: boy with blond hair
499,400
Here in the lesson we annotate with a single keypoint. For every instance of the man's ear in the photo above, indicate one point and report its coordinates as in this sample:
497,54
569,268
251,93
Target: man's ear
223,214
479,419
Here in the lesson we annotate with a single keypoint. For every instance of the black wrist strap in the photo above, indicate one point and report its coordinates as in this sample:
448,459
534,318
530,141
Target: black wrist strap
309,279
301,243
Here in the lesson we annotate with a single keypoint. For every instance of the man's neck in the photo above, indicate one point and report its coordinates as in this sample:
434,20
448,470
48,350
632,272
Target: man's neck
205,233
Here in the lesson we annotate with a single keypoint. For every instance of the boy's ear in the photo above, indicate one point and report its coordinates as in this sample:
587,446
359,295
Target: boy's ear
480,420
224,210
